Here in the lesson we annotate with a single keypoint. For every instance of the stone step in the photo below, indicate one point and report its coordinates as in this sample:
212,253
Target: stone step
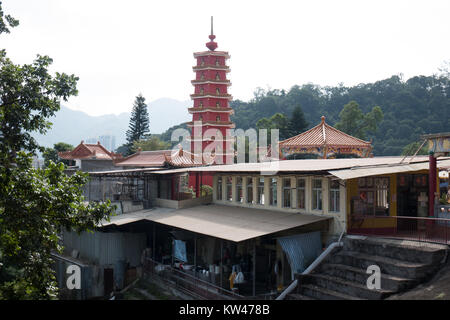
298,296
347,287
320,293
395,267
360,276
413,251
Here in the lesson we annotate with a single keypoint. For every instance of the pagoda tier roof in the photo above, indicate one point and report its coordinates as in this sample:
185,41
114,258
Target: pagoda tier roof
212,109
229,124
86,151
212,95
212,53
227,82
211,67
324,134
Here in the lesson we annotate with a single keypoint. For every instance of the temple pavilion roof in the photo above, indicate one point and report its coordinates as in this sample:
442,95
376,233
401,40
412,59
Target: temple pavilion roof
324,134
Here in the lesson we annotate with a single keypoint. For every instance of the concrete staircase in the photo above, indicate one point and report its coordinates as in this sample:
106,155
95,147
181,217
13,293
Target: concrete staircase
342,276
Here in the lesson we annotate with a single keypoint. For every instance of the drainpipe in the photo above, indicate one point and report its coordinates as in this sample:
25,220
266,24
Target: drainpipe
431,184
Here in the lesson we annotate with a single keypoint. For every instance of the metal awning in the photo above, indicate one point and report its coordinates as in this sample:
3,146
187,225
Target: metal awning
225,222
378,170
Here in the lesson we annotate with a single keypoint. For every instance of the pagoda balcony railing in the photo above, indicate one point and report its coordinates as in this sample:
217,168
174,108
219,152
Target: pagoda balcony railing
213,109
212,53
199,81
210,66
212,95
212,123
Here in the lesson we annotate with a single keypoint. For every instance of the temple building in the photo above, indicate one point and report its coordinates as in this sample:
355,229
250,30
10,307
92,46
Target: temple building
324,141
91,157
211,108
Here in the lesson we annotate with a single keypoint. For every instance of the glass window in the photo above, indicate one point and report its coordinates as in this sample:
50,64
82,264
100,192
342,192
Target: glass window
273,192
219,188
249,190
239,192
334,196
301,197
374,195
260,191
229,189
287,192
317,194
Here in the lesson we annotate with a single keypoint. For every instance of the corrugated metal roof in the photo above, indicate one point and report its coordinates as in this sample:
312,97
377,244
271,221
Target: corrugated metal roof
372,171
304,165
224,222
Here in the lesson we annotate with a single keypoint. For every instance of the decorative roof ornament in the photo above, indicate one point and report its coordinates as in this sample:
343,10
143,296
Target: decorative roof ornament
211,45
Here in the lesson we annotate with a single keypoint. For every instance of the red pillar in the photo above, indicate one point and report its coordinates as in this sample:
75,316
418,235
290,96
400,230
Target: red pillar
431,184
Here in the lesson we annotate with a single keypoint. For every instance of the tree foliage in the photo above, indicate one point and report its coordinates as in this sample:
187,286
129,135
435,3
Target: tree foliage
411,107
139,122
355,123
51,154
150,144
35,204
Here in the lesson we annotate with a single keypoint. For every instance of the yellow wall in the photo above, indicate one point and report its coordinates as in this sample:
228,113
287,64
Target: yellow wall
378,222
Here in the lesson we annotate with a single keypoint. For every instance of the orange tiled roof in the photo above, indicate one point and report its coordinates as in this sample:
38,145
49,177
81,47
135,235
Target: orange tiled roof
145,159
324,134
182,158
160,158
89,151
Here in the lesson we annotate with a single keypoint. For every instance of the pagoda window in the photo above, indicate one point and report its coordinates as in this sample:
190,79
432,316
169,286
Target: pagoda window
217,91
218,104
200,105
334,196
217,76
202,63
218,118
317,194
217,62
301,197
202,91
200,118
202,76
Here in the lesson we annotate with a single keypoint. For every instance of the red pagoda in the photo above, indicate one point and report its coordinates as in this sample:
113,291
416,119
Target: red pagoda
211,109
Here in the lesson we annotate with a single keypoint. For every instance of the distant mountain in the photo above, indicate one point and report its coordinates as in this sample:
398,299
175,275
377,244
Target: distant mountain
72,126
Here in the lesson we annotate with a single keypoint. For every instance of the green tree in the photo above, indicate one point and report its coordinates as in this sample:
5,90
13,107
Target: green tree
51,154
150,144
139,122
413,147
297,123
35,204
355,123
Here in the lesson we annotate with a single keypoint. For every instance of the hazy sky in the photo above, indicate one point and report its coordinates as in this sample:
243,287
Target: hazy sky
122,48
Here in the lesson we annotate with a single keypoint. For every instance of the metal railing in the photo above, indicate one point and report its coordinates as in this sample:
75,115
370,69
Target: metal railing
425,229
190,284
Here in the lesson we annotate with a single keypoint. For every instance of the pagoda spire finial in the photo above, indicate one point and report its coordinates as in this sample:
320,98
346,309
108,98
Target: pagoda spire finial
212,24
212,45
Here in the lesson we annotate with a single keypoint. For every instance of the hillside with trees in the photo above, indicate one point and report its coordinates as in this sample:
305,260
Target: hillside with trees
409,108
